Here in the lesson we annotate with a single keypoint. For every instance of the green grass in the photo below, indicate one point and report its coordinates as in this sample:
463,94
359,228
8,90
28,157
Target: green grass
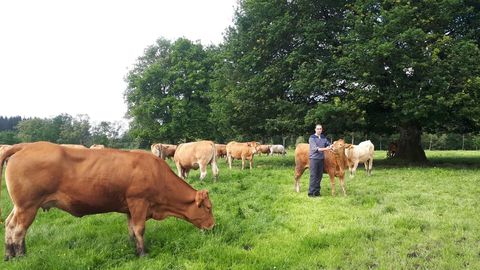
399,218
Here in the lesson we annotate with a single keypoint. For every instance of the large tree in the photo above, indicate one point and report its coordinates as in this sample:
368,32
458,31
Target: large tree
278,64
167,94
413,66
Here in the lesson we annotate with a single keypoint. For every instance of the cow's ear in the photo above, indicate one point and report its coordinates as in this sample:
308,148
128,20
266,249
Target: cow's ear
249,144
200,196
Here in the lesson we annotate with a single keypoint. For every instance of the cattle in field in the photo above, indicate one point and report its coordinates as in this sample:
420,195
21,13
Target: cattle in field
363,152
334,164
277,149
163,150
263,149
83,182
196,155
243,151
221,150
392,149
97,146
78,146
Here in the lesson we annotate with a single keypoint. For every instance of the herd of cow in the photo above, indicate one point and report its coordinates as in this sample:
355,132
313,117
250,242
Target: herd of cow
84,181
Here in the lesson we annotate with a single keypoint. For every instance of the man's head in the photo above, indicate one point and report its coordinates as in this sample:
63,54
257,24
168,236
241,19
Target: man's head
318,129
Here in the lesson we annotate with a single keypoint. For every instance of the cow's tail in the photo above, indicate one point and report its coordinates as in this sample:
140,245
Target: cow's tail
3,158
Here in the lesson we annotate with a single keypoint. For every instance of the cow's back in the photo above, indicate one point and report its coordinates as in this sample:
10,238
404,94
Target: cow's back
237,150
187,154
80,181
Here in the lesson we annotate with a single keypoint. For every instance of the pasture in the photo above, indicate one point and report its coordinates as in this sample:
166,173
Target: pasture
399,218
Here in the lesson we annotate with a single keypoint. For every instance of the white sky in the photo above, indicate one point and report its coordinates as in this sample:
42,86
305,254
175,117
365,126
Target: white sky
72,56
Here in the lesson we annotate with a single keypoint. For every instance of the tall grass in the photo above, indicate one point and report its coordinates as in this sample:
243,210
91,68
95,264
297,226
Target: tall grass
399,218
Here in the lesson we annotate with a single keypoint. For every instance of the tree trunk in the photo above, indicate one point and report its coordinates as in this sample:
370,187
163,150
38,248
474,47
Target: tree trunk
409,144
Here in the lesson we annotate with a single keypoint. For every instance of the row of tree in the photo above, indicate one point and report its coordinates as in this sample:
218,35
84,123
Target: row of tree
377,67
65,128
78,130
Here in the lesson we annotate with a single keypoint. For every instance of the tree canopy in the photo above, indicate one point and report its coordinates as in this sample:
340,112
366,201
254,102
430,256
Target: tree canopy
374,66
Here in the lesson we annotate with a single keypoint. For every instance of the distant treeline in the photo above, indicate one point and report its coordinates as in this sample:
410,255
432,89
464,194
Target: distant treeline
78,130
64,128
9,123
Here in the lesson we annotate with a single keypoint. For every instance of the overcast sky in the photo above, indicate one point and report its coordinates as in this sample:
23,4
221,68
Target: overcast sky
72,56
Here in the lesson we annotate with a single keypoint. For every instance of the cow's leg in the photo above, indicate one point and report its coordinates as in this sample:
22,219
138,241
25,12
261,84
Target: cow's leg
229,157
215,170
243,163
342,184
131,234
332,182
251,163
138,212
298,174
203,170
179,170
15,230
354,168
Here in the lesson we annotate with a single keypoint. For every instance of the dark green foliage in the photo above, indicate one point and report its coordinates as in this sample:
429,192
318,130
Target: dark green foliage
167,93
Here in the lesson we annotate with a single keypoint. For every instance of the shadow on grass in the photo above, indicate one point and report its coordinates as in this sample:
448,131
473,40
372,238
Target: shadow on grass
454,162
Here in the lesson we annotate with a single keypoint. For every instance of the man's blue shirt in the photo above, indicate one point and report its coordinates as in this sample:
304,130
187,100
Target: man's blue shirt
316,142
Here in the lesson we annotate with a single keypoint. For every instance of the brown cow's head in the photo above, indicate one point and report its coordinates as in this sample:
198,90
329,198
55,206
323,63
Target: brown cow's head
200,212
338,146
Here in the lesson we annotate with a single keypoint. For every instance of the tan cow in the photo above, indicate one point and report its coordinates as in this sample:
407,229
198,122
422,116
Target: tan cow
263,149
196,155
361,153
334,163
97,146
78,146
244,151
83,182
163,150
221,150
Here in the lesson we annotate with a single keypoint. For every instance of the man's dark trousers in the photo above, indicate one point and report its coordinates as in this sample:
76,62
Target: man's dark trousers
316,173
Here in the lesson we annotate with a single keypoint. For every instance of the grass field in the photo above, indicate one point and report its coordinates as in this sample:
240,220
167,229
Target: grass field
399,218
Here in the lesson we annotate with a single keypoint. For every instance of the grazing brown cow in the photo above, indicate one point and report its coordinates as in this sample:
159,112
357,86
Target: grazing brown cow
334,163
78,146
221,150
244,151
196,155
97,146
83,182
392,149
163,150
263,149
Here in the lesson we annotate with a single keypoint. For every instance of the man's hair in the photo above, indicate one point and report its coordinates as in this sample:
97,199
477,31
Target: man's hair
318,125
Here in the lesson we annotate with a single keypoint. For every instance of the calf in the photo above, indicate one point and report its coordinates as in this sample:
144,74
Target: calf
244,151
196,155
263,149
362,152
221,150
392,149
334,164
277,149
163,150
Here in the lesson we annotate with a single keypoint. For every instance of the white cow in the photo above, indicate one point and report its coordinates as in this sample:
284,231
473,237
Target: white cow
362,152
277,149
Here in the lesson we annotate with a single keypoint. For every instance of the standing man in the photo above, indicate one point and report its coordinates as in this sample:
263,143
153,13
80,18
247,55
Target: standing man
318,143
